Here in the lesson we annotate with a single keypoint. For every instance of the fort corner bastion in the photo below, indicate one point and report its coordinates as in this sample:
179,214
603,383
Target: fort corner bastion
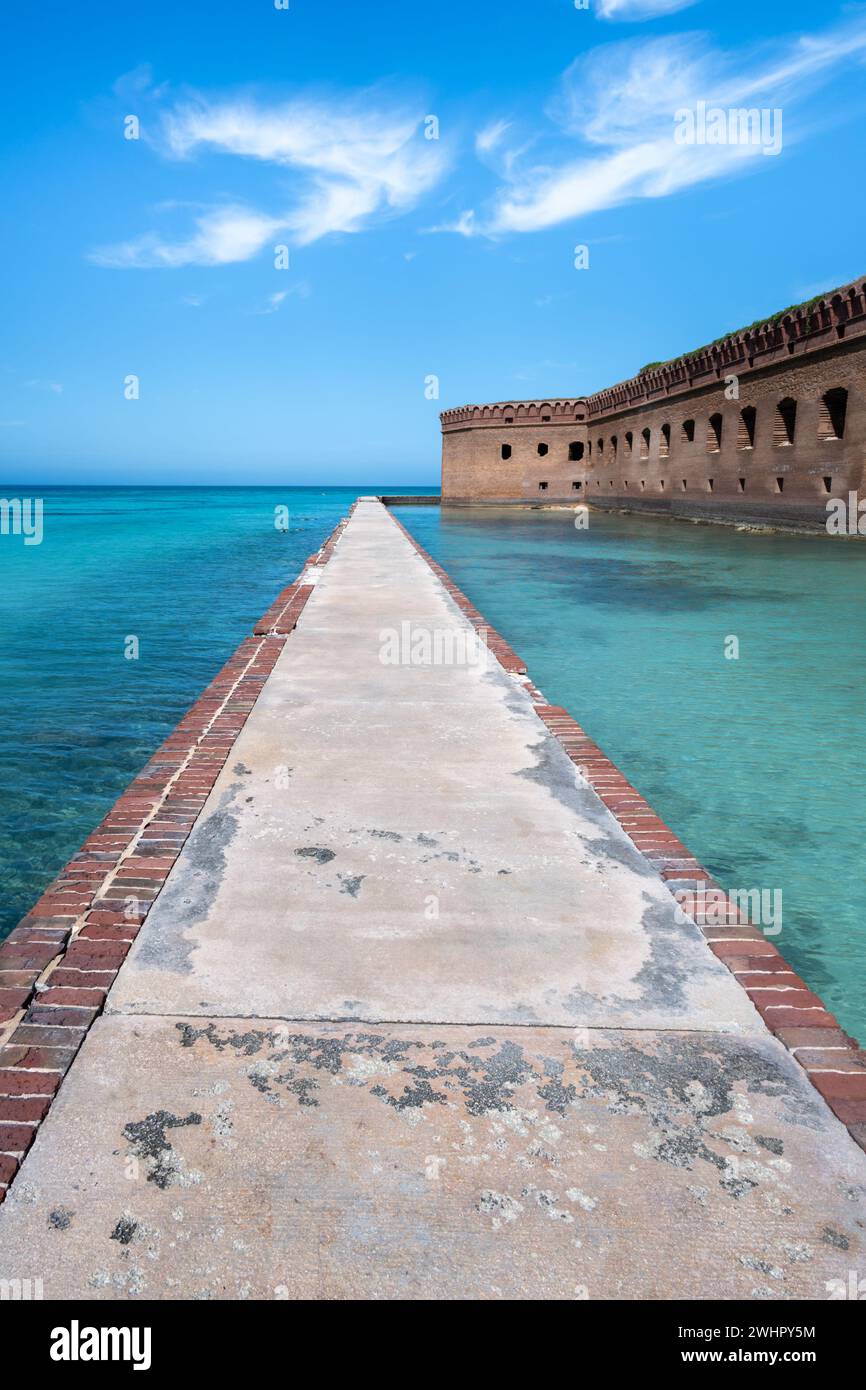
763,426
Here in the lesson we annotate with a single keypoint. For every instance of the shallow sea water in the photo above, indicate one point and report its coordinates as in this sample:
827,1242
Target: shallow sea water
187,571
757,763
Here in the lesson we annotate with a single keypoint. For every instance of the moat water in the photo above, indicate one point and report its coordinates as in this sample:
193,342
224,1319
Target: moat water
755,760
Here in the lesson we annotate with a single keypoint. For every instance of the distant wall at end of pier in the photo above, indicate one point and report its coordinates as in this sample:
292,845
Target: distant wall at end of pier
420,500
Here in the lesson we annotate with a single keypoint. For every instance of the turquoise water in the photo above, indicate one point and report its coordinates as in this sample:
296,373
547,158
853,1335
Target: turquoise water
756,762
187,571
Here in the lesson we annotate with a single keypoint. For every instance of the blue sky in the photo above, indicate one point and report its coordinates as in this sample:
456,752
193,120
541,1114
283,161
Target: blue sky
409,257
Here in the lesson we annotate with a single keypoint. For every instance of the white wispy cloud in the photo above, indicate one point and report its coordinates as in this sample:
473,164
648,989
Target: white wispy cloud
491,135
138,82
464,225
611,131
221,236
353,163
55,386
639,9
273,301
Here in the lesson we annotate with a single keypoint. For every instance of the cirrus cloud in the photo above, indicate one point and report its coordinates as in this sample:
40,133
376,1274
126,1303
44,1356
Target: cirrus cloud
221,236
639,9
611,132
353,164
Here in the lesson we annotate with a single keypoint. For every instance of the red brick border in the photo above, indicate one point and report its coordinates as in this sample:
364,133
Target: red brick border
58,964
833,1061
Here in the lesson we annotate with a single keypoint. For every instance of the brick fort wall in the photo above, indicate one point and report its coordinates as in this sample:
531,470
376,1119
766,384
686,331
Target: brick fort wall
764,426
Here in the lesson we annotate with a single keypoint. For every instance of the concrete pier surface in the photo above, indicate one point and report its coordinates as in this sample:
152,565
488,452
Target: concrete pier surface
412,1017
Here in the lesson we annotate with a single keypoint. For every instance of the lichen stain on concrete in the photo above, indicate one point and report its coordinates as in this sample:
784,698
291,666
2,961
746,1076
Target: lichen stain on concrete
129,1282
835,1238
266,1076
661,982
60,1219
148,1141
317,853
124,1230
618,846
487,1082
247,1044
663,976
499,1206
222,1124
190,891
557,774
453,856
679,1101
412,1097
681,1089
775,1146
351,883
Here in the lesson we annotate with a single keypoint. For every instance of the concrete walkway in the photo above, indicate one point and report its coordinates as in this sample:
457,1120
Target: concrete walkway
413,1018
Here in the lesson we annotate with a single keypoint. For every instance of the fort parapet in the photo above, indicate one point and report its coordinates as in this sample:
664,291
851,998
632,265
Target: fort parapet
762,426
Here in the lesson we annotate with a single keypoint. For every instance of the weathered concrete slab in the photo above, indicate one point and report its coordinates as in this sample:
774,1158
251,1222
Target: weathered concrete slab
232,1158
396,842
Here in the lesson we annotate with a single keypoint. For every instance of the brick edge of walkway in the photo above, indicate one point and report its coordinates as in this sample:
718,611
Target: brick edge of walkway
833,1061
58,964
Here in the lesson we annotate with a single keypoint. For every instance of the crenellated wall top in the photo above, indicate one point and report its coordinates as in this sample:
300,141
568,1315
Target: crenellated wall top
809,328
515,412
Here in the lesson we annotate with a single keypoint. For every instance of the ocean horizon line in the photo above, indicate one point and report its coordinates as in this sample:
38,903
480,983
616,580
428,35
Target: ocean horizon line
222,487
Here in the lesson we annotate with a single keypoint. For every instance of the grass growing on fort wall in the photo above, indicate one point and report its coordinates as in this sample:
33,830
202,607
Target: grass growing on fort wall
806,306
